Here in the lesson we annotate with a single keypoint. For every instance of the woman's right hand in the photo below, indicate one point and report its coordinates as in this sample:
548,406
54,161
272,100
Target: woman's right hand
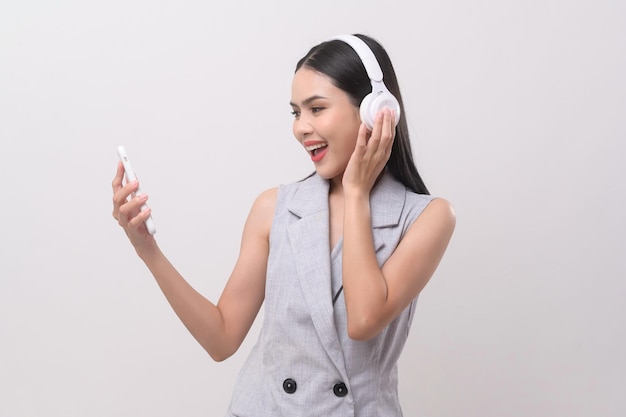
127,211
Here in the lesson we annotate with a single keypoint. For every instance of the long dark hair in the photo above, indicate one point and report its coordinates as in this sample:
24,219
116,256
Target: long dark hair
338,61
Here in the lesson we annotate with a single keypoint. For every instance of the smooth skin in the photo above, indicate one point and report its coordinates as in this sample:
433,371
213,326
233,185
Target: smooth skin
354,160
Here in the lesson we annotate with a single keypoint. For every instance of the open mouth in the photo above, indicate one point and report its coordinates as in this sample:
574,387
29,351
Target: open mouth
316,149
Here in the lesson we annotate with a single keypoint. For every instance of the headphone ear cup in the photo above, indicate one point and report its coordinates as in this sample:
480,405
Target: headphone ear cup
367,116
375,102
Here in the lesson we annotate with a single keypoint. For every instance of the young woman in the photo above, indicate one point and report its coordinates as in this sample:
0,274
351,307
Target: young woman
339,258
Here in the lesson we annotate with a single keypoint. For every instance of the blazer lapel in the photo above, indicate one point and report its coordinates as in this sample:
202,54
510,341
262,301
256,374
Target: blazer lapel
386,203
309,238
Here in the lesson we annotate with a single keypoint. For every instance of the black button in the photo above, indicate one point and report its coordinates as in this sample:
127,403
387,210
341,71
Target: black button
289,385
340,390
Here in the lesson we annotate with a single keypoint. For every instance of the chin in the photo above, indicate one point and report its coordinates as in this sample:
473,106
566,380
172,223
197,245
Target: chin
328,174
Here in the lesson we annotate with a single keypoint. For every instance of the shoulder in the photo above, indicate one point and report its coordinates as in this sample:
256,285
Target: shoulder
292,187
266,202
262,211
442,209
438,214
428,236
266,199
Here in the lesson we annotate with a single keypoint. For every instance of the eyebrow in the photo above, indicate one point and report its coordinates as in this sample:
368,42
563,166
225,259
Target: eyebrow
307,100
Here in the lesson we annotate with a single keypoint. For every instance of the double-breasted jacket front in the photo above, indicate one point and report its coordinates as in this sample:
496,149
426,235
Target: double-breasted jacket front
304,363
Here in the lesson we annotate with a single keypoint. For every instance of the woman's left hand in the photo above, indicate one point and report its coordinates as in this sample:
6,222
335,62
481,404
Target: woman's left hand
371,153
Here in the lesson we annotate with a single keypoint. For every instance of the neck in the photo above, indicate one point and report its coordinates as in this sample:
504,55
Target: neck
336,186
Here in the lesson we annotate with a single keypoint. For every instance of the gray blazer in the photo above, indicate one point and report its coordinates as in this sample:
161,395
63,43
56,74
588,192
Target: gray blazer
304,363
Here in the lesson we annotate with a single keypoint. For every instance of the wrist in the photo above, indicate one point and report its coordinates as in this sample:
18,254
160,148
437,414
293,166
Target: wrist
147,250
356,194
358,200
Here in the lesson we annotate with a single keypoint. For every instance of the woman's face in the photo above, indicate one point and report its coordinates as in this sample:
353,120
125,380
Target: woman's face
326,122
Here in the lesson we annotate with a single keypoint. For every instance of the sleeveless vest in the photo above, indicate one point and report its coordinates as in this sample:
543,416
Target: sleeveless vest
304,363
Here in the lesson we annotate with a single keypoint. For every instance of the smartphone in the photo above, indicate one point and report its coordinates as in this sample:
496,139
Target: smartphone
130,176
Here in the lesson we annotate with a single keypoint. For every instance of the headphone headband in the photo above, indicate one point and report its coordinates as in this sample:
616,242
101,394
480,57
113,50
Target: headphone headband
380,97
372,67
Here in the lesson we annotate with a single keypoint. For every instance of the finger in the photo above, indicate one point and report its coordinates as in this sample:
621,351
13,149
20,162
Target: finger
373,142
139,221
119,177
131,209
362,139
389,130
393,119
122,197
117,186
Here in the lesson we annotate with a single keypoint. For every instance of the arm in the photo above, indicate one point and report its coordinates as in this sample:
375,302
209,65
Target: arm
374,295
220,328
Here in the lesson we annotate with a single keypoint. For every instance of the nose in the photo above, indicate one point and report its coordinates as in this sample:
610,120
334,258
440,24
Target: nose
301,128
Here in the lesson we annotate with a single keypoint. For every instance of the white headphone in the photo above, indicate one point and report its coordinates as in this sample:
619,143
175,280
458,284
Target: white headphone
380,97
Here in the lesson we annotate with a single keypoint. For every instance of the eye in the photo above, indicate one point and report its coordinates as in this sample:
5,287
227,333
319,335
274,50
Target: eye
295,113
316,109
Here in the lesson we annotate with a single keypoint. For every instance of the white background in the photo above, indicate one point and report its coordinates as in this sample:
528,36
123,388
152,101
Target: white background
517,112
